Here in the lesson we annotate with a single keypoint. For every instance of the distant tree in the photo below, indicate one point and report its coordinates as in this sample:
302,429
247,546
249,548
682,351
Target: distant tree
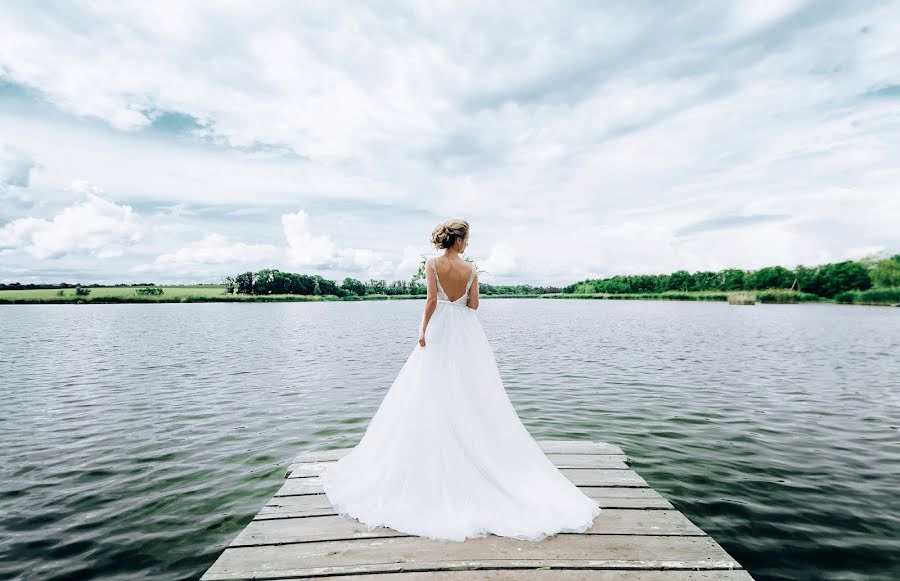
327,287
81,291
376,287
354,286
228,281
266,282
149,290
731,279
805,278
886,272
643,283
830,279
270,281
397,287
824,280
770,277
302,284
244,283
613,285
680,280
706,281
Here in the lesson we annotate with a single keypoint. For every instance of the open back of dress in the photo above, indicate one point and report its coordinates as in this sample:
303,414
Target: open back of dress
441,293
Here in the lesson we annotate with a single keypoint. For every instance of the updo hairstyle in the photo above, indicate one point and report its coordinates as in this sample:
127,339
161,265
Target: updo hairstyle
446,234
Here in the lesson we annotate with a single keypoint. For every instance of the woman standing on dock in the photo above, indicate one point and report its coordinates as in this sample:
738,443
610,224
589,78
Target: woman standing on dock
446,456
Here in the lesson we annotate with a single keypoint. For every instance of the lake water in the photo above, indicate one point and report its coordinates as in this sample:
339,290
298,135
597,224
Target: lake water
137,440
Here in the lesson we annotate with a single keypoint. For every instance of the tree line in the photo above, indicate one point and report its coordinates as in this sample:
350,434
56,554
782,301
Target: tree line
826,280
66,285
273,281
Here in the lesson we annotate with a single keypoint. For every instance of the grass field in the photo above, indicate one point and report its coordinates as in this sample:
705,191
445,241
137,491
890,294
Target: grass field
746,297
98,292
181,294
217,293
670,296
171,294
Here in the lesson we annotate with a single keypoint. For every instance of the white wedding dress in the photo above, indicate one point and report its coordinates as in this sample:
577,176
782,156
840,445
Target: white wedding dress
446,456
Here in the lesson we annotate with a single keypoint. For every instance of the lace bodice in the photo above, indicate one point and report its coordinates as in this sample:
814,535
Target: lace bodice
442,296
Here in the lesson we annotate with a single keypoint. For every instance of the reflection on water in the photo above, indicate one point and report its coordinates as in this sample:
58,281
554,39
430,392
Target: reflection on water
137,440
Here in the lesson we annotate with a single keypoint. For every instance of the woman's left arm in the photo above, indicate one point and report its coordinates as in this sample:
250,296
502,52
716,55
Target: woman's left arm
430,298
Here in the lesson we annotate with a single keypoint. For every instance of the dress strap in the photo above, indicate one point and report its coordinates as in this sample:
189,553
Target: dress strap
434,269
471,277
437,280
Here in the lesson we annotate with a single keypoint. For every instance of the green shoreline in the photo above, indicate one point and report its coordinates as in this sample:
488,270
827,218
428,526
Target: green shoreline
216,294
868,281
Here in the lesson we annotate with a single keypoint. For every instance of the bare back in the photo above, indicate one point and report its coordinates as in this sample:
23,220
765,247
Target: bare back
454,275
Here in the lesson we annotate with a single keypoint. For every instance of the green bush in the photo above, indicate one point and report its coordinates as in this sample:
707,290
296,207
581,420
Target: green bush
885,273
714,297
845,297
878,296
785,297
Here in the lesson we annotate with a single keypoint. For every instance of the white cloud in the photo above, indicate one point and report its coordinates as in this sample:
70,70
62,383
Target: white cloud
502,261
308,250
305,248
593,134
216,255
213,255
15,175
92,225
15,168
247,212
751,16
857,253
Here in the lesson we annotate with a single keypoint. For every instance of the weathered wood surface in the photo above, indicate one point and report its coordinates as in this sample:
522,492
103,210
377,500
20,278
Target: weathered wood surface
611,461
639,536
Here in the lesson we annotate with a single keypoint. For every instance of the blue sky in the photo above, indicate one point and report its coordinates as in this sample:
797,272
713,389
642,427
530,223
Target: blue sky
183,142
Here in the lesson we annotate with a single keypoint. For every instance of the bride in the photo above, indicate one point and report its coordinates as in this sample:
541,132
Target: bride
446,456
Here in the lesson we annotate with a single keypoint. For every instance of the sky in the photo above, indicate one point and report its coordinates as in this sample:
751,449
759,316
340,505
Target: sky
182,142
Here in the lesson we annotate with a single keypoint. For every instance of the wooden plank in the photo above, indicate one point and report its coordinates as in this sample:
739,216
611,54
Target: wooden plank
285,504
271,531
383,555
304,486
559,575
578,447
617,461
578,476
293,487
610,461
548,447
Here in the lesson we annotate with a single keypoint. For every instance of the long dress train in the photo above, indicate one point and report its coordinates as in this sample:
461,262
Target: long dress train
446,456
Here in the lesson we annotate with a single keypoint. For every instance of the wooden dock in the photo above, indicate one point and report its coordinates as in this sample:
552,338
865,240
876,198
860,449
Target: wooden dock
638,536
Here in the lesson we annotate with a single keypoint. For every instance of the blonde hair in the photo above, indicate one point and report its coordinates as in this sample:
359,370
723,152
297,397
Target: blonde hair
446,233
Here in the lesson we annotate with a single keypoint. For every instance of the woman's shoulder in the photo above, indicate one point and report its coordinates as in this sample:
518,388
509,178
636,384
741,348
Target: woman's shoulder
445,263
